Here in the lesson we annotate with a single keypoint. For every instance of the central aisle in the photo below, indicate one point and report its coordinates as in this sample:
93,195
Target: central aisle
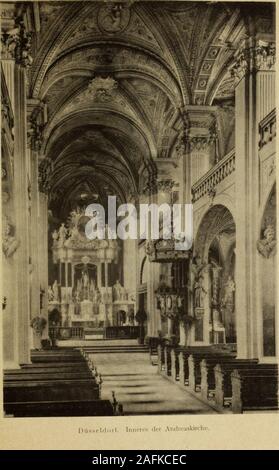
140,389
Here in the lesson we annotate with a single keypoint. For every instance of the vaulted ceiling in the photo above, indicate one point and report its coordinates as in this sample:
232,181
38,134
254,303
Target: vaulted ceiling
115,78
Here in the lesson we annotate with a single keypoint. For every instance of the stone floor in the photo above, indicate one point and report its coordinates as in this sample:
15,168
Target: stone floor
140,389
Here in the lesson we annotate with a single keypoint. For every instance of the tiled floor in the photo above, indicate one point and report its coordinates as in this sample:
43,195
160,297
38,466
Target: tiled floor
140,389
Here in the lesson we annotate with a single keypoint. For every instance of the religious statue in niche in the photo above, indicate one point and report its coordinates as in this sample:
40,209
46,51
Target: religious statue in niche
199,293
267,245
228,298
196,287
113,18
9,242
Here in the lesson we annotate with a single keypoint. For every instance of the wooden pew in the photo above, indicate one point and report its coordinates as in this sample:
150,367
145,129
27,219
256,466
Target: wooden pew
54,365
194,361
54,370
153,349
208,381
184,354
161,357
167,360
55,358
223,383
51,390
60,408
255,389
40,376
177,364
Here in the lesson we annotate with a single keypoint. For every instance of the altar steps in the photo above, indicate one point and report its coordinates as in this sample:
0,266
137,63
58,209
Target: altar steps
115,349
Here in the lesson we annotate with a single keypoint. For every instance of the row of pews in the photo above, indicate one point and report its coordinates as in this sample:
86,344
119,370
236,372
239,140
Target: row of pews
59,382
218,377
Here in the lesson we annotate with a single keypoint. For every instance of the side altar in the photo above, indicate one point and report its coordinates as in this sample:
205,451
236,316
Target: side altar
87,291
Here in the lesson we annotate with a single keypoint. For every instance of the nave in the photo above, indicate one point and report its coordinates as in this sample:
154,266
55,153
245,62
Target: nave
148,103
138,387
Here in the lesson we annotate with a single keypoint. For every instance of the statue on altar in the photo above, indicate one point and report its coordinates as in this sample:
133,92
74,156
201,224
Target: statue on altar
50,294
117,290
55,290
85,285
62,234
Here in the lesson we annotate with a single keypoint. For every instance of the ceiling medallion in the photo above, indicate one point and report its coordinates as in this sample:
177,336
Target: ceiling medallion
113,17
102,88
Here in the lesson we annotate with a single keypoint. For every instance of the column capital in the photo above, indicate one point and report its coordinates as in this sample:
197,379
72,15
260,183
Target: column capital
15,40
253,55
199,128
165,185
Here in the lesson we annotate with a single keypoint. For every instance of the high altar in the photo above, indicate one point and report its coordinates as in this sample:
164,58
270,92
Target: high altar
87,290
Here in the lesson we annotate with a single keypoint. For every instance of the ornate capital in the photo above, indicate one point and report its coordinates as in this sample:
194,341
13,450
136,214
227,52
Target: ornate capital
16,44
45,171
264,55
200,143
253,57
165,186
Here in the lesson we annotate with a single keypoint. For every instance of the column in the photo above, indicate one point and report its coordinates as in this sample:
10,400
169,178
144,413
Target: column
254,92
43,253
16,43
10,237
34,143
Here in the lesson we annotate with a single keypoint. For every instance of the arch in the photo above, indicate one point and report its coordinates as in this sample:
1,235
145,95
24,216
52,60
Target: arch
269,194
267,266
216,220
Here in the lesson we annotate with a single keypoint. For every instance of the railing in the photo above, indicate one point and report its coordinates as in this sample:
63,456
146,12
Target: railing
67,332
121,332
267,129
207,184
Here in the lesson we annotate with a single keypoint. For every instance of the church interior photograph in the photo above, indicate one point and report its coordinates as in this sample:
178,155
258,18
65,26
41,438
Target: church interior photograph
139,102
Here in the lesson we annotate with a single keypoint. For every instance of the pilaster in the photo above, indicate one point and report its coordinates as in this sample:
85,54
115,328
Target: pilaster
254,77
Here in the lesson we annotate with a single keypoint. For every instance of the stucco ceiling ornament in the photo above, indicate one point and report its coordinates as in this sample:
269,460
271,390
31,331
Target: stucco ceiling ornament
113,17
101,88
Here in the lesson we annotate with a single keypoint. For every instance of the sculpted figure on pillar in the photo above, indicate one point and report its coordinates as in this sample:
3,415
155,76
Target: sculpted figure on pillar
9,242
199,293
267,246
